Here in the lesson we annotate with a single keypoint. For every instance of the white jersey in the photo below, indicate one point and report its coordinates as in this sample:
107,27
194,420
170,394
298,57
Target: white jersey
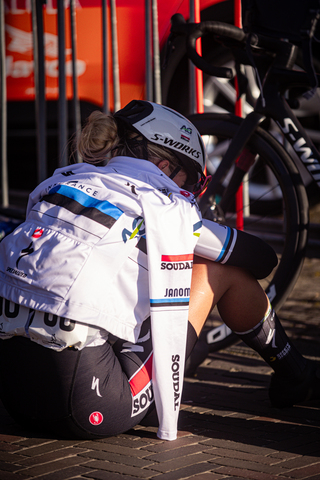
101,250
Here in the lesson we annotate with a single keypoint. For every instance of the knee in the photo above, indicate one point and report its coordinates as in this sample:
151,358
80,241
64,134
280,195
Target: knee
254,255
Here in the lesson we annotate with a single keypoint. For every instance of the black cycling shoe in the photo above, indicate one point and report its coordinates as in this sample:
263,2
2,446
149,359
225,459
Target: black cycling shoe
286,392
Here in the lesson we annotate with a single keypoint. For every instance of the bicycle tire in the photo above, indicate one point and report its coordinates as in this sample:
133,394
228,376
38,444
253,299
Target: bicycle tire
291,241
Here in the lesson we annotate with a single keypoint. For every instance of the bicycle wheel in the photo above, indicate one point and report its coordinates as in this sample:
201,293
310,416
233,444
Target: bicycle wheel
283,224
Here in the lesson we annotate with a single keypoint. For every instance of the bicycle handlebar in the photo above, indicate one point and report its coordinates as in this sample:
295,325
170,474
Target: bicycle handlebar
193,31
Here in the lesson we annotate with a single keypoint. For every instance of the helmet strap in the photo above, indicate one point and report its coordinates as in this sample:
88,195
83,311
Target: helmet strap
175,172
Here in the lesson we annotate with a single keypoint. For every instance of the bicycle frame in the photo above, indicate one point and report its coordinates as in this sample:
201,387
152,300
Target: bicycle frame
274,107
278,109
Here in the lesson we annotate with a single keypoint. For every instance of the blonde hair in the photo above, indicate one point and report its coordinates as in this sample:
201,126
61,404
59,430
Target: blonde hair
100,140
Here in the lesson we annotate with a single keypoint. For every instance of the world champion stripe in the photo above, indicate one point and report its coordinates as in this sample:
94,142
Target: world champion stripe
172,302
142,377
226,245
196,227
177,258
79,203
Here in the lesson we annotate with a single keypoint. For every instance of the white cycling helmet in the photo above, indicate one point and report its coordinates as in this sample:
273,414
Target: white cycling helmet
168,128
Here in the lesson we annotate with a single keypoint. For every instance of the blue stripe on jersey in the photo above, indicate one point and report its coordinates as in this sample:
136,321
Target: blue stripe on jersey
197,225
172,302
102,205
225,245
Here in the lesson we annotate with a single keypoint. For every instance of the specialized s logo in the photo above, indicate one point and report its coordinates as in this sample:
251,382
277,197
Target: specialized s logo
95,386
26,251
176,262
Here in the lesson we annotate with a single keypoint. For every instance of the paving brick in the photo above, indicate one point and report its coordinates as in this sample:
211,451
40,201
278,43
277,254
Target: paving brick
305,472
8,447
115,458
302,462
248,474
114,448
48,457
11,476
8,467
169,446
56,466
47,447
65,474
126,442
33,441
247,465
261,459
209,476
11,457
241,439
285,455
103,475
241,447
185,472
122,469
181,462
178,452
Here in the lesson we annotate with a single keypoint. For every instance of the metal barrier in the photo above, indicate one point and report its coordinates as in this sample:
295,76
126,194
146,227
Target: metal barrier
153,80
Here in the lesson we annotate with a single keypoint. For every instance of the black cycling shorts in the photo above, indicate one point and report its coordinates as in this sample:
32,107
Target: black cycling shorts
95,392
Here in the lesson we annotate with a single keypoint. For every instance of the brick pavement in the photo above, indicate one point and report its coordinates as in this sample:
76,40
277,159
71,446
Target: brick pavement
227,428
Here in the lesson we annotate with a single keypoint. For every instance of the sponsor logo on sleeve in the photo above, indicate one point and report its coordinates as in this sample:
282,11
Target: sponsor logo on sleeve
175,368
176,262
141,387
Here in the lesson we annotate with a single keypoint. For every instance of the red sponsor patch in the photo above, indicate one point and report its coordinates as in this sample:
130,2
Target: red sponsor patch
177,258
142,377
183,137
185,193
37,233
96,418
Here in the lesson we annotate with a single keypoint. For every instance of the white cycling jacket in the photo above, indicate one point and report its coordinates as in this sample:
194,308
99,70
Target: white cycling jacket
108,247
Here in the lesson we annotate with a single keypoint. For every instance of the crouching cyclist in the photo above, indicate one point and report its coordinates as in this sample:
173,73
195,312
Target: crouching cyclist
106,285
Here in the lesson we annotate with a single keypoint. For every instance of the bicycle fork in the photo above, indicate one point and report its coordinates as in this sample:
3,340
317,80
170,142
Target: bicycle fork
235,154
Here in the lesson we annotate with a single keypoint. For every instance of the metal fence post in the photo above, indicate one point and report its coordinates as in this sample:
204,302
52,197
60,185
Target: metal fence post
76,104
39,84
105,65
62,103
195,75
149,80
156,53
4,164
115,59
